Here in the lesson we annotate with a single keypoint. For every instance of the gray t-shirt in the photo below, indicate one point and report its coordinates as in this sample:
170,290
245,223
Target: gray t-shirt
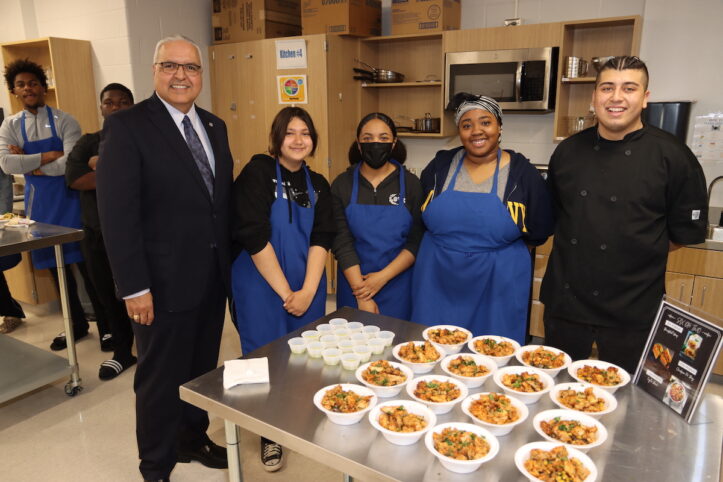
465,183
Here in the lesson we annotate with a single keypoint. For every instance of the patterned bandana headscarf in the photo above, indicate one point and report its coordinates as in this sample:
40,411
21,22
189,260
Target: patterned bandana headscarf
481,102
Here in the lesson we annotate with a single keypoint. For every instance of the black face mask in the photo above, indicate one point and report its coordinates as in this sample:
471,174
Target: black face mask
375,154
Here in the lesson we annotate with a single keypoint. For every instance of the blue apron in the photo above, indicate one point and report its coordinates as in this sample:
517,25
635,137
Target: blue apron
473,269
53,202
260,314
380,233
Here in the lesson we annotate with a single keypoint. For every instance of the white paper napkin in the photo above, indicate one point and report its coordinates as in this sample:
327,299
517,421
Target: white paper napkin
237,372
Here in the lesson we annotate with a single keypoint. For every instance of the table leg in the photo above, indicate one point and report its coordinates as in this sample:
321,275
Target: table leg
74,386
232,451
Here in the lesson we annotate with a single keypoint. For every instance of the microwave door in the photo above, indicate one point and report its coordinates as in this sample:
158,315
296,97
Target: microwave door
497,80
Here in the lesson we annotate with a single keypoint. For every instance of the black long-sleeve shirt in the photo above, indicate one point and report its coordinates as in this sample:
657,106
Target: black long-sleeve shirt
76,166
254,191
386,194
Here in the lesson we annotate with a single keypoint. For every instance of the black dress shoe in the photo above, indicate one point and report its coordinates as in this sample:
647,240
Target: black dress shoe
209,454
166,479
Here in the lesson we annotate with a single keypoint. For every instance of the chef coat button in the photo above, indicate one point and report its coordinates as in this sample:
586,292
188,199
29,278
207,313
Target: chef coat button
628,152
613,198
583,193
573,241
603,246
595,292
567,286
597,148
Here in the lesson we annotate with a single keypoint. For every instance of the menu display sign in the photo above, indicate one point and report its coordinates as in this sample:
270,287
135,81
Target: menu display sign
679,356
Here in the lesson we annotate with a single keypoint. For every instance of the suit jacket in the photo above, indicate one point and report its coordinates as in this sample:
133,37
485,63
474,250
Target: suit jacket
159,223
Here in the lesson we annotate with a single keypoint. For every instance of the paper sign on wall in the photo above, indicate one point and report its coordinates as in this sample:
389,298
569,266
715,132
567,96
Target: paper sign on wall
290,54
292,89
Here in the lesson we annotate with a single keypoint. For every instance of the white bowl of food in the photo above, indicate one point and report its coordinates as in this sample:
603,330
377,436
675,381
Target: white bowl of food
420,356
537,458
498,348
438,392
583,397
347,409
602,374
448,339
525,383
497,412
469,368
546,358
385,378
461,447
571,428
402,422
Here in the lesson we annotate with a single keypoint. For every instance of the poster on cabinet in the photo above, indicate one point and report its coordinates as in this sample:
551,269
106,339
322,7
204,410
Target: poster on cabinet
292,89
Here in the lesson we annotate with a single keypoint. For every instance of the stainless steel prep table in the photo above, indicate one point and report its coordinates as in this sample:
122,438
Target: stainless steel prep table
24,367
647,441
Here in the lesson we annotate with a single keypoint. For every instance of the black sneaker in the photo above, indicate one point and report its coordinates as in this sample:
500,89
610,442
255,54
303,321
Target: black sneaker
271,455
59,342
106,342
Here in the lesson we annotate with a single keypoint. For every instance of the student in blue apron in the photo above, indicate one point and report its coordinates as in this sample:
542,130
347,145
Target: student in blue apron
284,226
35,142
483,207
376,205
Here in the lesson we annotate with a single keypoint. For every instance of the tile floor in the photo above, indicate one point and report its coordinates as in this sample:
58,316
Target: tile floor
46,435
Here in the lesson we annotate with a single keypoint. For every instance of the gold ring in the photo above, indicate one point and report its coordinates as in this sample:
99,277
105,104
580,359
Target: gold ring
135,317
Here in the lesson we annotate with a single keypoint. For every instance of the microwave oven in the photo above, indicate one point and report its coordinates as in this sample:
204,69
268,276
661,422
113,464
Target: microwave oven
519,79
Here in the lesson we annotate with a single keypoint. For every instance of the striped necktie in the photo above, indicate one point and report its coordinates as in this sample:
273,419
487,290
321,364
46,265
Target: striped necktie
199,154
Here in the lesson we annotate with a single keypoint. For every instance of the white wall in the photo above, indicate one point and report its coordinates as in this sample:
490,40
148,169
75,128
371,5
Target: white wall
122,33
684,51
151,20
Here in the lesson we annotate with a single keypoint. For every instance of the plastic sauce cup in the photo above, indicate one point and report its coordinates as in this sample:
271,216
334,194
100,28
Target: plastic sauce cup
331,356
297,345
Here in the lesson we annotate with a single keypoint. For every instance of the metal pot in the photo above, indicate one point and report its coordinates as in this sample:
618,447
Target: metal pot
427,123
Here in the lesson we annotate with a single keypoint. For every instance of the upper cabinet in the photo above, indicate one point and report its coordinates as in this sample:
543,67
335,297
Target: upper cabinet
420,58
69,67
587,39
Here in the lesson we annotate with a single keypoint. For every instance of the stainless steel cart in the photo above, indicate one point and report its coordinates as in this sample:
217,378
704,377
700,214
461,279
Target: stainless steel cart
647,441
23,367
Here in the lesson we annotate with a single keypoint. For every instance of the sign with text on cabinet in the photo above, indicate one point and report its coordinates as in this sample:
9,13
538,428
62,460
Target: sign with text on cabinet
290,54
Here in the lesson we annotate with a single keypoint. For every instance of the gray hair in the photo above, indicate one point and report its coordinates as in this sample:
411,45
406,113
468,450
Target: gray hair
175,38
479,102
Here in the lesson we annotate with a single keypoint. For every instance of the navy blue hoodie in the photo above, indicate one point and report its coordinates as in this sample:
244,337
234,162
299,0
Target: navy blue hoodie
526,195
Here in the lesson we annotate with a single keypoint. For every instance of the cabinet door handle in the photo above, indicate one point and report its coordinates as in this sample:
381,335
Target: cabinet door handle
682,288
702,295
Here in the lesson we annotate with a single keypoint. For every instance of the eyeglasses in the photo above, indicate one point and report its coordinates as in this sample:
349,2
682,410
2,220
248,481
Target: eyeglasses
172,67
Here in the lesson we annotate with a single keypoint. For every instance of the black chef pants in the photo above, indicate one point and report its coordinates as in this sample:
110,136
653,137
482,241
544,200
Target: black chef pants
113,310
621,346
77,314
175,348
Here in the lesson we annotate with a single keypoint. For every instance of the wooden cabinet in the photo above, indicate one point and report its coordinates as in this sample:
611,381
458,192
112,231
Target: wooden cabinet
244,94
587,39
421,59
537,309
71,86
695,277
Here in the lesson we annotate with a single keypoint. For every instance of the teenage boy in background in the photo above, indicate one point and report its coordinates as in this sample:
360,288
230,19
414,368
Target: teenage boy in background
80,175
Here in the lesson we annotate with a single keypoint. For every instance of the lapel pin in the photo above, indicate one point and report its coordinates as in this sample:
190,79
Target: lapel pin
210,124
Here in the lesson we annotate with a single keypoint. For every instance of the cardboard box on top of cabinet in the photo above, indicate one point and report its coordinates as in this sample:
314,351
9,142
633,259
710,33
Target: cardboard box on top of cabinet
361,18
420,16
240,21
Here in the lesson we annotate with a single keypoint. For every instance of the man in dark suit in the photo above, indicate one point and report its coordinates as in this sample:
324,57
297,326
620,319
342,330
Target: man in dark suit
163,185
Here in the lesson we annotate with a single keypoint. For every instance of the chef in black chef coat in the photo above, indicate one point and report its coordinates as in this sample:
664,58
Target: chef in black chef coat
626,194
